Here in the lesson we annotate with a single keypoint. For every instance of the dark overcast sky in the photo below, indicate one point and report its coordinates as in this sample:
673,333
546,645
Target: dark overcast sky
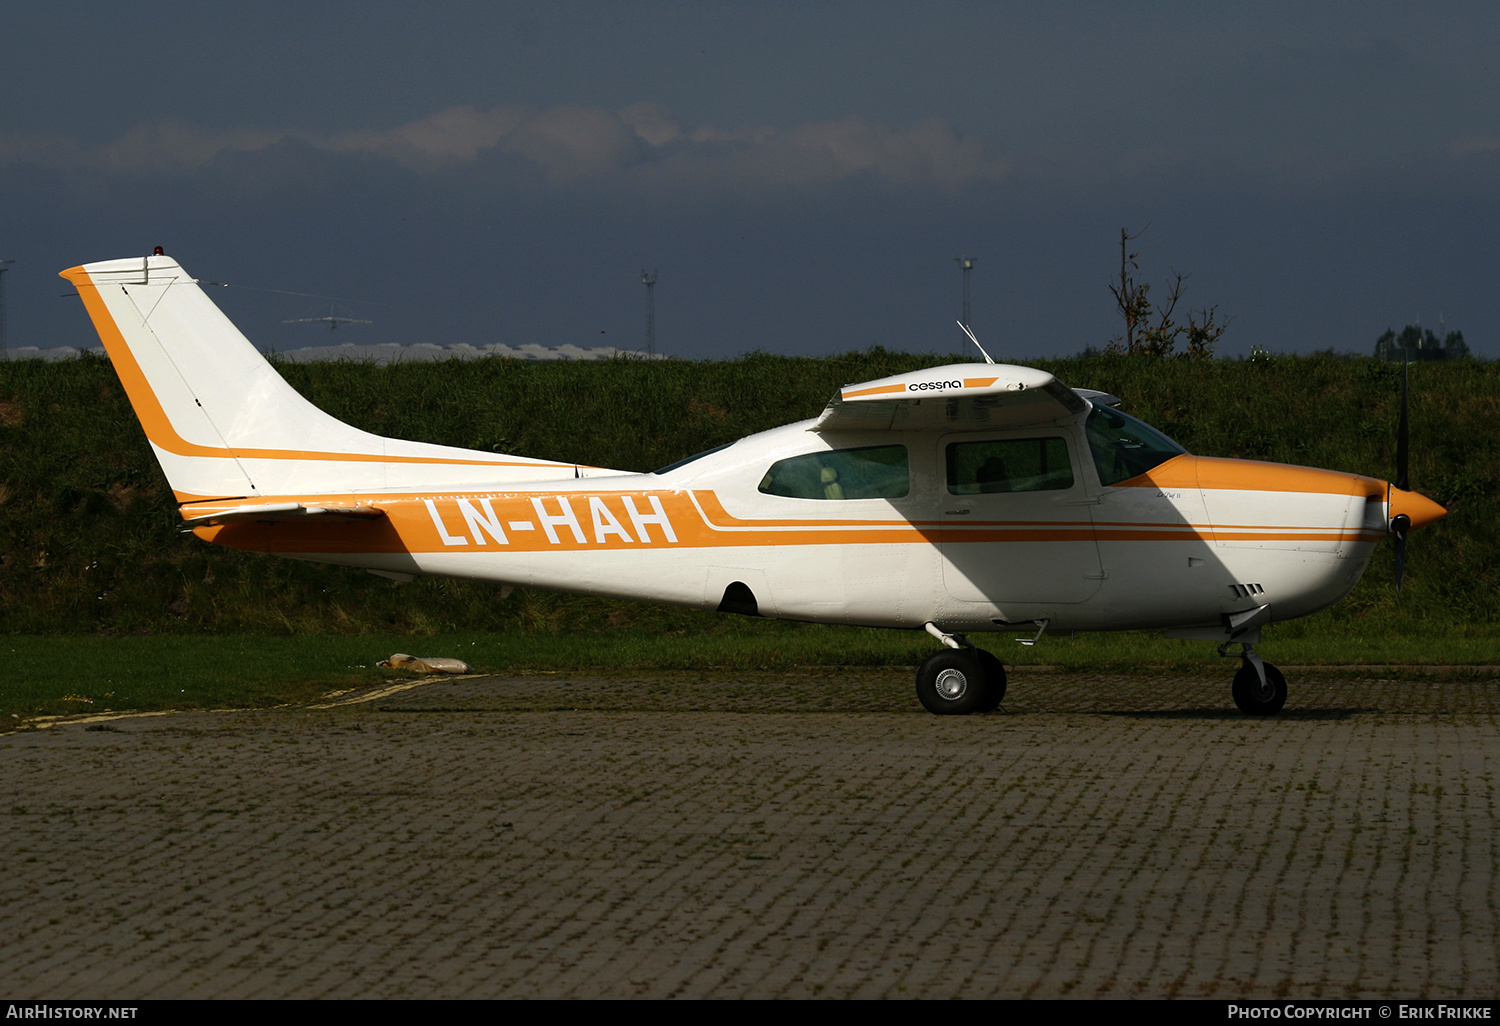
801,175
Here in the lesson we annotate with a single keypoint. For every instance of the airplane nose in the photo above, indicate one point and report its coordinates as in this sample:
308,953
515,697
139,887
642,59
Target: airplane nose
1418,509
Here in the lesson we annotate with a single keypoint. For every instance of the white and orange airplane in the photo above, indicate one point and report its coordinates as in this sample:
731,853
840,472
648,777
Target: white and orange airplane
959,499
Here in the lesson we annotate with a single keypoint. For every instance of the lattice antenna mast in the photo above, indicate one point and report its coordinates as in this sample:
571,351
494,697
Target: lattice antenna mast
4,339
649,280
967,263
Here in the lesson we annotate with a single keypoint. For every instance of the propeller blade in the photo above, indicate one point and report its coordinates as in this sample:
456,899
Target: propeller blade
1399,530
1407,509
1401,523
1403,480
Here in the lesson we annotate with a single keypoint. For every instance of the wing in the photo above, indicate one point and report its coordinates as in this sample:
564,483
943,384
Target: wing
959,397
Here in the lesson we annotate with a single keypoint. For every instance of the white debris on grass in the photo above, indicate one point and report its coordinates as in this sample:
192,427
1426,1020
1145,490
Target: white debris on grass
424,664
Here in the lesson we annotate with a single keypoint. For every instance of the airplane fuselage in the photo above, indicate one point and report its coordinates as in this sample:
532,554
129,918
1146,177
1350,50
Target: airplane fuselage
1183,544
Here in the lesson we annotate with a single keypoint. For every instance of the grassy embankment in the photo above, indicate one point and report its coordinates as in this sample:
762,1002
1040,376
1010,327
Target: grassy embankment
97,583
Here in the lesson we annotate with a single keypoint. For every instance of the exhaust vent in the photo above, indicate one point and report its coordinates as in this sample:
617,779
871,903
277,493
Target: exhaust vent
738,598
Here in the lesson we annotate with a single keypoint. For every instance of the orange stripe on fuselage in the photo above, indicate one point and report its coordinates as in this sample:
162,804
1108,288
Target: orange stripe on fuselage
1215,474
577,520
581,521
715,516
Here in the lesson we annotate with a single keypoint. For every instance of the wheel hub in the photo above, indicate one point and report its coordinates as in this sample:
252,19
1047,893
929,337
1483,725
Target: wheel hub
951,684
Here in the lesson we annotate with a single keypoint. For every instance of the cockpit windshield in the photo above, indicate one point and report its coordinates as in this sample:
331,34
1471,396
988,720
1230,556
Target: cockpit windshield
1124,447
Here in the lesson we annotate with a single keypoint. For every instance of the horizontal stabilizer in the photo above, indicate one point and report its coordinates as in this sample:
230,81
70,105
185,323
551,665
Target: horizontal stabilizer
277,511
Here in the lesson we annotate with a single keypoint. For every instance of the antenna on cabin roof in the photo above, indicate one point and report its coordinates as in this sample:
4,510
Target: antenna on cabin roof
332,320
974,340
649,280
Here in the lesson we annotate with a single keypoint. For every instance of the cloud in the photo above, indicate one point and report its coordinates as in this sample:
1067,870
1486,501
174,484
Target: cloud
455,135
570,143
641,146
652,123
927,151
1470,145
173,146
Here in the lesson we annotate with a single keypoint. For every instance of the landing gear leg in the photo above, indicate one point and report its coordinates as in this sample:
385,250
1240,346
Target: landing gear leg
1259,688
961,679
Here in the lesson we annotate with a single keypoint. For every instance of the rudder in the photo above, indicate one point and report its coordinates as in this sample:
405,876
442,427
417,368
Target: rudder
223,423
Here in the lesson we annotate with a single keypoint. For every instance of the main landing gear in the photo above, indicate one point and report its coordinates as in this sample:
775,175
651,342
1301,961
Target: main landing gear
961,679
1259,688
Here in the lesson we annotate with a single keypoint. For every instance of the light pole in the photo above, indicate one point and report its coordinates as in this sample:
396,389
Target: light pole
4,340
649,280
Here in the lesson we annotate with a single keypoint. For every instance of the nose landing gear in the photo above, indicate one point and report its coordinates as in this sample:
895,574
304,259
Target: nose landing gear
1259,688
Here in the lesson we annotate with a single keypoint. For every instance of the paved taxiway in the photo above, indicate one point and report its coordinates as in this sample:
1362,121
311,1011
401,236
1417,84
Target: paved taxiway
764,835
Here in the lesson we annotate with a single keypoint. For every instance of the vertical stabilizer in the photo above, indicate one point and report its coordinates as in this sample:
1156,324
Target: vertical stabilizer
224,424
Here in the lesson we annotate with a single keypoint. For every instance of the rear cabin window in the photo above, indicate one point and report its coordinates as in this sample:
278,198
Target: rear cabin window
1009,465
878,472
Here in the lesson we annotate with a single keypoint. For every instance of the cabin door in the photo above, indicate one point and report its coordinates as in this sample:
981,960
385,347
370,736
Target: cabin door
1015,520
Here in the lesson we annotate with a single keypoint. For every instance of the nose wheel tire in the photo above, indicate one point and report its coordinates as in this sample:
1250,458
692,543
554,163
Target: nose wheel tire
1255,698
954,682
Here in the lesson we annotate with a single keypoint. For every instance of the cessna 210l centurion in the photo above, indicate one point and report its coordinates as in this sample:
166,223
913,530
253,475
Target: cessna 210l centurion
973,497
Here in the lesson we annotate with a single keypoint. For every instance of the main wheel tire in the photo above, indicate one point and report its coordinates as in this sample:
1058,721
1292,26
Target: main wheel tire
950,683
994,680
1255,699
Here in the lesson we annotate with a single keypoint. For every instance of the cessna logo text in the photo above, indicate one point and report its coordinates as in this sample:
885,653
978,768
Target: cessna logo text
923,386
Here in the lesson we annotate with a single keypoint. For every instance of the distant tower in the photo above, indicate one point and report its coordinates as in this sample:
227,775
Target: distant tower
967,263
4,340
649,280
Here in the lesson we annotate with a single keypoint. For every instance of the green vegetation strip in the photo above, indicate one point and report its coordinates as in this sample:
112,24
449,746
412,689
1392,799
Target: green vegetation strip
58,675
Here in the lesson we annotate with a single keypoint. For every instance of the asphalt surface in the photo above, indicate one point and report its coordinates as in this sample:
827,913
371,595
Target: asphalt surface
770,835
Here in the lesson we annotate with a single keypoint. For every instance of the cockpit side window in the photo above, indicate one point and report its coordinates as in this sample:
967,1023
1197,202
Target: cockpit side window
1009,465
1124,447
877,472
